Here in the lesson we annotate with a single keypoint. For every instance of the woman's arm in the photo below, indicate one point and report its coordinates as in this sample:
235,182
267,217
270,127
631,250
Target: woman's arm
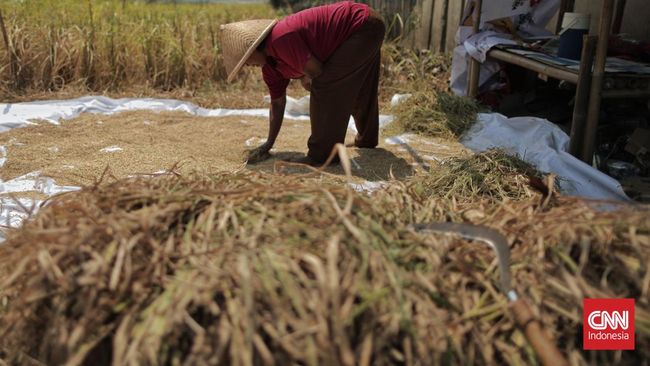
275,119
275,124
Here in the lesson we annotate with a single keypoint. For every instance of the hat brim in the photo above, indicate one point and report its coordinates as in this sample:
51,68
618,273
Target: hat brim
250,50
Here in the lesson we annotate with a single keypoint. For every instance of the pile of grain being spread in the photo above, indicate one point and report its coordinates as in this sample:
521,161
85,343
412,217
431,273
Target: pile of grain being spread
254,268
80,150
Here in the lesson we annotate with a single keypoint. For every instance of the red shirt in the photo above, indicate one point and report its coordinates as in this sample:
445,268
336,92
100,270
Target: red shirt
315,32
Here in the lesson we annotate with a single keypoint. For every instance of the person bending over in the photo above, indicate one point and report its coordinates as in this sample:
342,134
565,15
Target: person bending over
335,52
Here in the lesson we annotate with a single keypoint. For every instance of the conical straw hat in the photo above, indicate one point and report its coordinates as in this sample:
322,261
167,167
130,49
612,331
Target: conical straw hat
240,39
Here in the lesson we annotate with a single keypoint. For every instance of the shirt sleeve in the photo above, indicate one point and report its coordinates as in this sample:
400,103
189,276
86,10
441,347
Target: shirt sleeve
293,50
276,83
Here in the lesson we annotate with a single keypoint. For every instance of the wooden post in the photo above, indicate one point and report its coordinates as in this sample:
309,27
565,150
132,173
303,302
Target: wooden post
455,15
545,349
533,65
474,65
597,81
445,26
582,96
423,36
436,26
618,18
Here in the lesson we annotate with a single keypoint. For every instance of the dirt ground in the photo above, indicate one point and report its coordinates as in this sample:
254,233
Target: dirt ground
79,151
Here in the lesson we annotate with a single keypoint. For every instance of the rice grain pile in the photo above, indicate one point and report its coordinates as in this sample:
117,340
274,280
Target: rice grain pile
78,151
252,268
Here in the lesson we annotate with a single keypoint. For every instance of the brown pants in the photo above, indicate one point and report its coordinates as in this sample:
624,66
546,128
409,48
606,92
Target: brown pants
348,87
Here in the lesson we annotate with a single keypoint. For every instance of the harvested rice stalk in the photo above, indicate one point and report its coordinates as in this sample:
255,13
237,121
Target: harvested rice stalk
248,268
434,113
493,174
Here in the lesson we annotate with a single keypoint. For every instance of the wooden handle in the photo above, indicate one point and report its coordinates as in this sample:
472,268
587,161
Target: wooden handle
546,350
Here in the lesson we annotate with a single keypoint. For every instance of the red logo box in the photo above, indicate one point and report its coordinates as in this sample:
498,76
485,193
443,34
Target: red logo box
608,324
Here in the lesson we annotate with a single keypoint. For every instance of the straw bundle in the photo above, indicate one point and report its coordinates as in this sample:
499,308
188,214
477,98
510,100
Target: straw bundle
435,114
229,269
493,174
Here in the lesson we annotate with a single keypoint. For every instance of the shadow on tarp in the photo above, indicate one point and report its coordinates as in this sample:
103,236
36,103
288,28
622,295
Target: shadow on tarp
373,165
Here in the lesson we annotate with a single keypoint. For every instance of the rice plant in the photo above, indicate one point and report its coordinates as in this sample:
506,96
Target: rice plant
107,45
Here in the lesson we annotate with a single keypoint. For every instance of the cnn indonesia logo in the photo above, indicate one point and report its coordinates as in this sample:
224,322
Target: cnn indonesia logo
608,324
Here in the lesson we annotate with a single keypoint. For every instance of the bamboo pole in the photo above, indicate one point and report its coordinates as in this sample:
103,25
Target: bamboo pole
618,18
539,67
597,81
474,65
546,350
582,95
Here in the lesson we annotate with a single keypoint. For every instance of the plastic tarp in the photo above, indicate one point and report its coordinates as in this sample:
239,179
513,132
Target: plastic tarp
544,145
14,115
14,210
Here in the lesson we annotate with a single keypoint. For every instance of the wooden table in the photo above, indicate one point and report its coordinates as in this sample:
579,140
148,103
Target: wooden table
614,85
592,83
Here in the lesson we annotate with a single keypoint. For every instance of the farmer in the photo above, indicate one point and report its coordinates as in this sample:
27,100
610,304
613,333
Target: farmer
334,50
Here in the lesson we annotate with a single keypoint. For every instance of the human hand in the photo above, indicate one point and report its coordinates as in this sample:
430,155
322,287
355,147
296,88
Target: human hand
259,153
306,82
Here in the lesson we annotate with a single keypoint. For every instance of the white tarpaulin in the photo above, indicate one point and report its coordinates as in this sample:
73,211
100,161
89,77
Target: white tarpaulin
544,145
14,210
20,114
